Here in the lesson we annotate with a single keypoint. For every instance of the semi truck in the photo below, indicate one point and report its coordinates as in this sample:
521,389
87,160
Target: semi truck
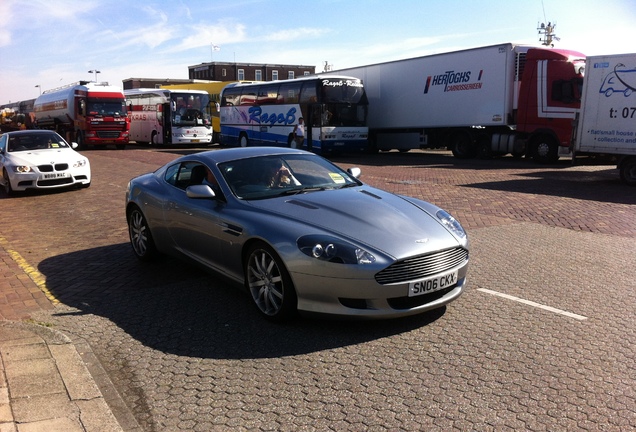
605,127
89,113
485,101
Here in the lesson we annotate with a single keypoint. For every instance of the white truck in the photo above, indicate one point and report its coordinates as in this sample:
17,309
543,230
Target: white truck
483,101
606,124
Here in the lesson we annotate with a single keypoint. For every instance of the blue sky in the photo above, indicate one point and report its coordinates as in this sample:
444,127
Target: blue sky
55,42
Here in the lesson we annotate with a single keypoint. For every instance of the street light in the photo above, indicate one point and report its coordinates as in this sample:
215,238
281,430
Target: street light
95,71
39,87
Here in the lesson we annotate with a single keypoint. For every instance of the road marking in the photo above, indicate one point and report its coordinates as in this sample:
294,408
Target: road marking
531,303
32,272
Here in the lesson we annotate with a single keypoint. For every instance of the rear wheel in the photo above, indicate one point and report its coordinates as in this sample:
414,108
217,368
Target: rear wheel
140,237
269,283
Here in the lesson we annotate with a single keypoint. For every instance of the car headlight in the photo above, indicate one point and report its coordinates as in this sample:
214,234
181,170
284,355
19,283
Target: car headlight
331,249
451,223
79,163
22,168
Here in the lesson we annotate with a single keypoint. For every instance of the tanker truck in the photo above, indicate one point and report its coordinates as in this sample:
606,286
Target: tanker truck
485,101
88,113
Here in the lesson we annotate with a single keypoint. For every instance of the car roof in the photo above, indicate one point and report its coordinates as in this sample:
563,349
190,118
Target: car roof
226,155
29,132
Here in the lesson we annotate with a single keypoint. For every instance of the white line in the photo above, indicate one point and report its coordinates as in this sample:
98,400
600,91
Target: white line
531,303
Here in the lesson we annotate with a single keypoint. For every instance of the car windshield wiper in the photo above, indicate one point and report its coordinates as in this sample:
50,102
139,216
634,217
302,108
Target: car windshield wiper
303,189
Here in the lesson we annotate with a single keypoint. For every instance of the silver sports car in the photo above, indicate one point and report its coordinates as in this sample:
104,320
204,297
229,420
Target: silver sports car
300,233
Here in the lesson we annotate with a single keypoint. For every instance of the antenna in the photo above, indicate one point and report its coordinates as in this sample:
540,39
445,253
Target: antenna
547,31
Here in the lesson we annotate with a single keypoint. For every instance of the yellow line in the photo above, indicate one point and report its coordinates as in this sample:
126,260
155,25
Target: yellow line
36,276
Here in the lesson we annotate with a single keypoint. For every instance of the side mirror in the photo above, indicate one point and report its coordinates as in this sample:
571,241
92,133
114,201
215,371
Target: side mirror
355,172
200,192
74,145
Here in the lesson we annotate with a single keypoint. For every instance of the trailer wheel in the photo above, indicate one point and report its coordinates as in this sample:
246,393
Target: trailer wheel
462,145
628,171
545,149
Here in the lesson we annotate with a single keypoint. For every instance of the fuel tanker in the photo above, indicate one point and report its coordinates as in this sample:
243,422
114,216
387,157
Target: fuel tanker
88,113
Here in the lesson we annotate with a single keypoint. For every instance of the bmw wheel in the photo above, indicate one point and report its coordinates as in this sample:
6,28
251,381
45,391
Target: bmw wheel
140,237
269,283
7,183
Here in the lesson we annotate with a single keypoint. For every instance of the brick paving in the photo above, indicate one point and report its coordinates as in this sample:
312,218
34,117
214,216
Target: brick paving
186,353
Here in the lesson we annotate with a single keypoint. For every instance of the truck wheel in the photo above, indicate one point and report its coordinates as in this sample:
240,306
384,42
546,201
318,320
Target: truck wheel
545,150
462,145
81,144
628,171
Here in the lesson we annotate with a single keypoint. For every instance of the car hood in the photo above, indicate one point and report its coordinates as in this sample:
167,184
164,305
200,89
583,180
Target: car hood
45,157
378,219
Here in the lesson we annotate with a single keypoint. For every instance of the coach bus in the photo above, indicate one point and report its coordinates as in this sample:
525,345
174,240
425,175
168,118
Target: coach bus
167,117
334,109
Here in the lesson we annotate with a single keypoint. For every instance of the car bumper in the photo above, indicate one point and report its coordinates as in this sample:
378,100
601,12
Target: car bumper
24,181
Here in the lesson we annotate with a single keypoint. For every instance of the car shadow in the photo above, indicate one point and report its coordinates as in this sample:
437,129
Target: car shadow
177,308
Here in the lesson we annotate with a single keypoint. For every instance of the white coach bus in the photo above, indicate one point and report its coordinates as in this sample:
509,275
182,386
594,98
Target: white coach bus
169,117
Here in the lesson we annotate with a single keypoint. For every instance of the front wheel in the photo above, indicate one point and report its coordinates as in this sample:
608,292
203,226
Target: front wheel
545,150
7,183
269,283
243,140
628,172
140,237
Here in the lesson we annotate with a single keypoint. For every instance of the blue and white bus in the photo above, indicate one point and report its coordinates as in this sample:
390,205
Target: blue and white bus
334,109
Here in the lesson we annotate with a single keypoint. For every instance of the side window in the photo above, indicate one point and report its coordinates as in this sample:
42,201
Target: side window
3,143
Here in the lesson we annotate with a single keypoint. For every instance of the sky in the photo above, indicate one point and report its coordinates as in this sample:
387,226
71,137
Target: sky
51,43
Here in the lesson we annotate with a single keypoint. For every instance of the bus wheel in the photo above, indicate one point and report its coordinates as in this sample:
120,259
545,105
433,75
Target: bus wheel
462,145
243,140
545,150
153,138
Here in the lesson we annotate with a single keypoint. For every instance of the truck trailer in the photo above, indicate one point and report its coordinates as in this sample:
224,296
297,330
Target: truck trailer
89,113
486,101
605,127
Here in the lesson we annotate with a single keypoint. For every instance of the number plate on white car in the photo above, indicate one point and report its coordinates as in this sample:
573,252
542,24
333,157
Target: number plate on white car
56,175
426,286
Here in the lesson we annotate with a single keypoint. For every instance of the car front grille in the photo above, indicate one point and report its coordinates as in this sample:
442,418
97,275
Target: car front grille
51,168
421,267
108,134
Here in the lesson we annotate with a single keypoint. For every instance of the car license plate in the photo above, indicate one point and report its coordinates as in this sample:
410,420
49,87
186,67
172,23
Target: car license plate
426,286
56,175
195,141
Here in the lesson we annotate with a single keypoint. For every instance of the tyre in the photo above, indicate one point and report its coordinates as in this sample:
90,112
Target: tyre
81,144
545,150
153,138
462,145
628,171
243,140
140,236
269,283
121,146
8,190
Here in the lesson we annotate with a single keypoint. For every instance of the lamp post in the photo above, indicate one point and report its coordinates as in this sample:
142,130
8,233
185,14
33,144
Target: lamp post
40,88
95,71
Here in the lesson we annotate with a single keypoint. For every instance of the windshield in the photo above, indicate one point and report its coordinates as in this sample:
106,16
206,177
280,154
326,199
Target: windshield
35,141
190,109
276,175
109,107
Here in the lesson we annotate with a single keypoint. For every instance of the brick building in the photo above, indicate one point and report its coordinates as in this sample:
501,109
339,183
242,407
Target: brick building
227,71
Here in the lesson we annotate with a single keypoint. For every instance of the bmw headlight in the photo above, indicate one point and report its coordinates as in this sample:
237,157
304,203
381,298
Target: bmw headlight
451,223
331,249
80,163
22,168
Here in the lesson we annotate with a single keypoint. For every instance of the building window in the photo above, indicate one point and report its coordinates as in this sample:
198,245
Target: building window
223,72
306,73
241,75
290,75
274,75
258,75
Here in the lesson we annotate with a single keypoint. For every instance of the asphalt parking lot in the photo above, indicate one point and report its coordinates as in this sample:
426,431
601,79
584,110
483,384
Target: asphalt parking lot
544,338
